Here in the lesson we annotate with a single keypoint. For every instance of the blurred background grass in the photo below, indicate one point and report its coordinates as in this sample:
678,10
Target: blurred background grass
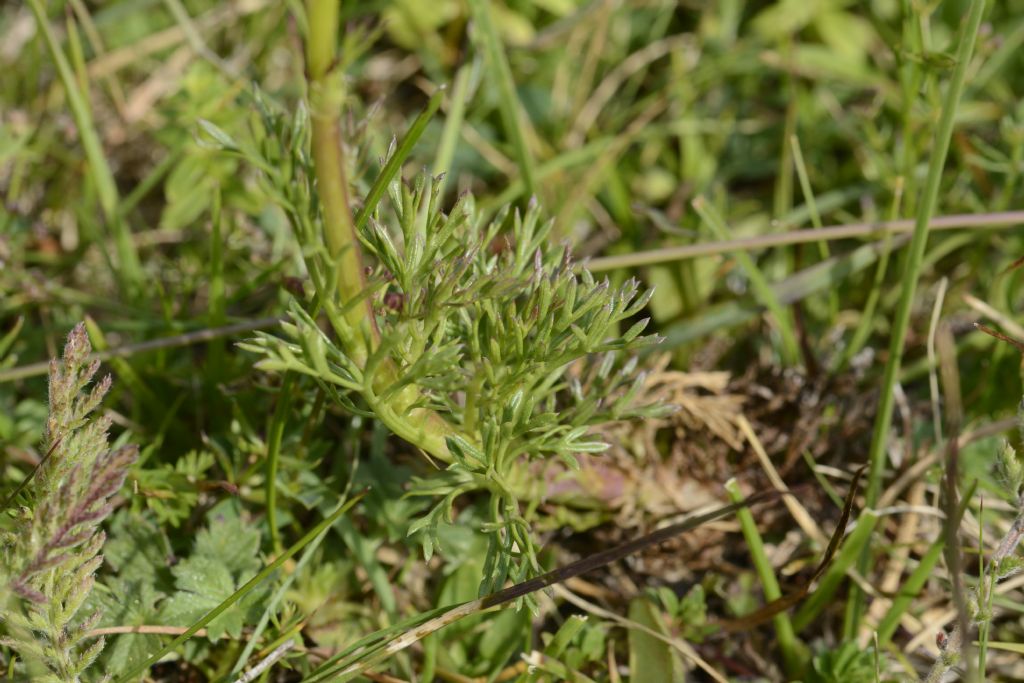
616,115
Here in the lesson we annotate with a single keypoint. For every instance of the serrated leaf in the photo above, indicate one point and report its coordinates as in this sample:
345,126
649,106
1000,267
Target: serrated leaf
136,549
126,603
203,584
231,543
224,558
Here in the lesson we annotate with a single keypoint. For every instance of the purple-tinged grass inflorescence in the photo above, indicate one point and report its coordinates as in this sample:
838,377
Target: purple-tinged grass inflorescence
51,560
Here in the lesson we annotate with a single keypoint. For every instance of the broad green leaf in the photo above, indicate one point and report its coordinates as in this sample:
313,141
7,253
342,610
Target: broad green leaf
203,583
225,557
650,658
126,603
232,543
137,550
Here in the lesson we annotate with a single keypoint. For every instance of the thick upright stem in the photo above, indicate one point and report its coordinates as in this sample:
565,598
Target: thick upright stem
326,97
421,427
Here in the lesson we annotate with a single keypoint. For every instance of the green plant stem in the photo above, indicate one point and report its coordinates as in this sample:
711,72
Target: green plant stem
758,282
274,435
424,428
784,631
911,271
326,98
986,590
129,271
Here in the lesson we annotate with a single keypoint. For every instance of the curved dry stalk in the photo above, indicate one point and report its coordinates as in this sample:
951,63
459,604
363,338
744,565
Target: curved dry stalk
991,221
951,645
196,337
267,662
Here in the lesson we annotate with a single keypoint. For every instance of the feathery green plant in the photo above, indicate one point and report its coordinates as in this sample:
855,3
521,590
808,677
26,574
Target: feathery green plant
492,349
481,343
48,563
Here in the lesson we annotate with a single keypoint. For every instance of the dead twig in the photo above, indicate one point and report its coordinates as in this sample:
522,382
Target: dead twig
186,339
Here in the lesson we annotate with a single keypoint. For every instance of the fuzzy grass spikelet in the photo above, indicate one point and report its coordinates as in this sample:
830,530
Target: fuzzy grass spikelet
51,559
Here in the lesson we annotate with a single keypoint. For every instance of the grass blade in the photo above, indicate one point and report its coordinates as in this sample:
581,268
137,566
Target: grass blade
805,187
836,572
788,644
915,252
394,164
911,272
275,600
668,254
863,330
275,432
650,658
794,288
453,122
194,337
508,102
130,271
909,590
812,205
